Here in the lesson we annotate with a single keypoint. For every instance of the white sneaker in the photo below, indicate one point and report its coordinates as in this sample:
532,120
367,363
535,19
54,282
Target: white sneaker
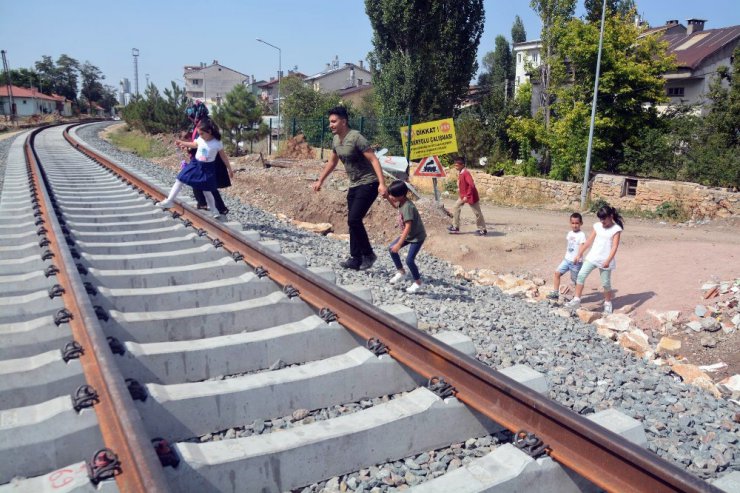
397,277
165,204
414,288
216,215
608,309
573,304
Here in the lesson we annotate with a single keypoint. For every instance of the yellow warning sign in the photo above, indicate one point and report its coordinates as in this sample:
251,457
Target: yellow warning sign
431,138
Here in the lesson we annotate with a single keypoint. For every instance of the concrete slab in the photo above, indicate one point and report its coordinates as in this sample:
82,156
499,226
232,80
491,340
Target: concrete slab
23,339
207,321
295,457
24,283
191,361
19,250
202,253
621,424
730,483
30,263
119,216
27,306
36,379
121,226
185,410
37,439
70,479
174,243
362,291
527,376
401,312
244,287
167,276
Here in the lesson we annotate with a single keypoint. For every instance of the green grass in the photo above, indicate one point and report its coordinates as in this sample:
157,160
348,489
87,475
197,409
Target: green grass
140,144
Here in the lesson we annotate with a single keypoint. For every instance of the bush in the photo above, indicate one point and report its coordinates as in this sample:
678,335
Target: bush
597,204
451,186
672,210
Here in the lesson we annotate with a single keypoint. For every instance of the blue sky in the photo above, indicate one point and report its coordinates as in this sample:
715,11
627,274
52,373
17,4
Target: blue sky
310,33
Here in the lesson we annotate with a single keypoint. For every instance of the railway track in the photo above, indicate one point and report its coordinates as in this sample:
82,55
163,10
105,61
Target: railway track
131,337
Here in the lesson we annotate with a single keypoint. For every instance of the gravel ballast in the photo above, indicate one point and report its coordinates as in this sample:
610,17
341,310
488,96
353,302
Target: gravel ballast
585,372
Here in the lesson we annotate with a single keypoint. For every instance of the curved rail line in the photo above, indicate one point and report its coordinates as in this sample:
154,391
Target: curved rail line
604,458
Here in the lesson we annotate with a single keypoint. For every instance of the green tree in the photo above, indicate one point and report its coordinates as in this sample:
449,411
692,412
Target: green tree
518,34
552,13
48,75
240,119
67,72
629,88
21,77
91,88
613,7
498,68
424,54
156,114
305,109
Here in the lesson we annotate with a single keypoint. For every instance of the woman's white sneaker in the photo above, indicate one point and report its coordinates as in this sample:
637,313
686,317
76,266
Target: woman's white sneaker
573,304
165,204
397,277
414,288
608,309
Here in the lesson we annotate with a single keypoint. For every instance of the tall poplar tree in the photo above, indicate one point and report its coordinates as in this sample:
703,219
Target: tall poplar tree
424,54
518,34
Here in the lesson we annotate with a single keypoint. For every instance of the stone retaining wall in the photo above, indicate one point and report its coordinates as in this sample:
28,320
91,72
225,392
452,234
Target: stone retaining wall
623,192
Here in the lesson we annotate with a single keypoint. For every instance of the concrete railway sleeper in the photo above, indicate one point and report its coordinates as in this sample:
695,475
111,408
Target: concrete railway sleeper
196,342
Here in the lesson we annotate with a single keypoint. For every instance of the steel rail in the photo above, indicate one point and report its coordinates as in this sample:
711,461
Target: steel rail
121,426
605,458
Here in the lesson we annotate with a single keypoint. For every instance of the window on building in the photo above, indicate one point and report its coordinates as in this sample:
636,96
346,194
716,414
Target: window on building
675,92
535,57
518,58
196,82
359,82
629,188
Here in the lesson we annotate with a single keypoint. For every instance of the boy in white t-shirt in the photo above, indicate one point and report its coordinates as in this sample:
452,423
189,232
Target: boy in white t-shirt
575,239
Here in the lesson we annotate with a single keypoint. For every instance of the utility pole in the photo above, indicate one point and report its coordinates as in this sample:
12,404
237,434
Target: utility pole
147,79
135,53
10,87
587,168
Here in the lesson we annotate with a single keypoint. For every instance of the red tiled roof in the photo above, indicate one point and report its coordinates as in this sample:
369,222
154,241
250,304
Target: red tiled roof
692,49
24,92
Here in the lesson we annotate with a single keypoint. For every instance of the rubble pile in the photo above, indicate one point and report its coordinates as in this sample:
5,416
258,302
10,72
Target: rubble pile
297,148
508,283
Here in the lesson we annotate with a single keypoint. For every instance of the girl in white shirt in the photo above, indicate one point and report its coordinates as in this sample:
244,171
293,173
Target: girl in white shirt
200,172
604,242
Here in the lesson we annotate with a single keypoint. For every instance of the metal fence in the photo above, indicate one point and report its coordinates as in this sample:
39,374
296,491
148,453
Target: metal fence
380,132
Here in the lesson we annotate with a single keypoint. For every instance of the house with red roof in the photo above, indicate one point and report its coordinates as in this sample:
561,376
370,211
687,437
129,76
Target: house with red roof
30,101
699,53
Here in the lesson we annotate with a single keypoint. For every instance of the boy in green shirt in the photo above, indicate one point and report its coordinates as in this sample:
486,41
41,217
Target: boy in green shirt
412,234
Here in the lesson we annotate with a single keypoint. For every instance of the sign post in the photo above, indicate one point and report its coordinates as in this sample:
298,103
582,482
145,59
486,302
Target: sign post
431,166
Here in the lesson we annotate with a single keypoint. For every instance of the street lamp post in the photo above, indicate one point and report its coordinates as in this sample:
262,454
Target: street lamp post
280,70
587,167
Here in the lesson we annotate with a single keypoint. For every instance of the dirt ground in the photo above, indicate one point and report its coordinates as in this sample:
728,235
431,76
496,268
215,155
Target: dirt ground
660,266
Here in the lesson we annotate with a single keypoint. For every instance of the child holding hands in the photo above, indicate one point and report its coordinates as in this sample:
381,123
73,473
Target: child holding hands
413,234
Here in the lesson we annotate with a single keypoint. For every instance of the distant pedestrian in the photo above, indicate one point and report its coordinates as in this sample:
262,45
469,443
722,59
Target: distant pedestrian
413,234
575,238
604,242
200,172
365,183
468,195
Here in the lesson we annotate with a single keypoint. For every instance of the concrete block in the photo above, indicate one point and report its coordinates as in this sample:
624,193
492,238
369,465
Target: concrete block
193,409
527,376
729,483
362,291
151,260
30,337
295,457
35,379
296,258
26,282
152,233
70,479
401,312
206,321
326,273
621,424
37,439
272,245
244,287
173,244
192,361
166,276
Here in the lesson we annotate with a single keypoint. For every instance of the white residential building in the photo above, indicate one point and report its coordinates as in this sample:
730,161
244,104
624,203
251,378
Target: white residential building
210,83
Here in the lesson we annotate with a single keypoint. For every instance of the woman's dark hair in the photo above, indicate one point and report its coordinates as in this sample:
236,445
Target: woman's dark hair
210,127
340,111
398,189
606,211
